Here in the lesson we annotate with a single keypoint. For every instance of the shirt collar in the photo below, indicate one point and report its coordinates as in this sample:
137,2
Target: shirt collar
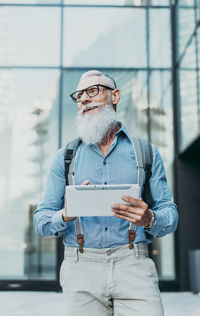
124,131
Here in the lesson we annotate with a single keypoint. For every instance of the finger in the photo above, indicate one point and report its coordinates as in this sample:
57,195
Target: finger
127,214
132,220
127,207
71,218
86,182
131,200
120,206
135,202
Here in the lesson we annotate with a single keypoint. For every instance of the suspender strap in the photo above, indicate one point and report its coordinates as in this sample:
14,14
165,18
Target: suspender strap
79,233
69,176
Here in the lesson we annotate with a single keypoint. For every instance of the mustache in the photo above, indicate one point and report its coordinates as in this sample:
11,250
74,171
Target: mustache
89,106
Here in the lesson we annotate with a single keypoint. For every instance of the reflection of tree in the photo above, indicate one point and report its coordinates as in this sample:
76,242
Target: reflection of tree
40,252
41,130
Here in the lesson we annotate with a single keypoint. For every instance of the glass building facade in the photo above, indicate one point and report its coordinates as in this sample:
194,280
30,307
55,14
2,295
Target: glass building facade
45,46
188,61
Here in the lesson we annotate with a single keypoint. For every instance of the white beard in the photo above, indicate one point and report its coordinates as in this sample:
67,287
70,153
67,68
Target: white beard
93,127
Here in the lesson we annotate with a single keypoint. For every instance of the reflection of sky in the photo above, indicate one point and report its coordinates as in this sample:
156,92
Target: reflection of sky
27,88
36,35
30,84
102,36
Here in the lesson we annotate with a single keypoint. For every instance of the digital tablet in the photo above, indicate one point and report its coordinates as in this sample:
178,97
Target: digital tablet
96,200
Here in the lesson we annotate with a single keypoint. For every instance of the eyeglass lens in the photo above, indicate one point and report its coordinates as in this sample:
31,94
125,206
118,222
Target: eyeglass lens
91,92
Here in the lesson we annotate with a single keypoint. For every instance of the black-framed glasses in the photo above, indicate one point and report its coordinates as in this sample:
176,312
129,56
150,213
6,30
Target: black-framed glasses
91,91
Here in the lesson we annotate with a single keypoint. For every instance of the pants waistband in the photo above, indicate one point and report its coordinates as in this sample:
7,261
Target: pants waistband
139,250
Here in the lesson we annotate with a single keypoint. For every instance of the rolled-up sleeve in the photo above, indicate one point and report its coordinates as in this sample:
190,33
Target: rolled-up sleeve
48,215
162,200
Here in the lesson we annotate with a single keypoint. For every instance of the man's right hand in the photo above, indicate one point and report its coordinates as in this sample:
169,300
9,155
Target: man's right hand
64,214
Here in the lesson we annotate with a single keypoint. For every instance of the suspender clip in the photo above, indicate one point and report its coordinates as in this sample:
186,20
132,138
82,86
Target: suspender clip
80,241
131,237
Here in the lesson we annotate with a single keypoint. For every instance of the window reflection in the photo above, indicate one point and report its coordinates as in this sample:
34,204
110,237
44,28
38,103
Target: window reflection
106,44
28,134
119,2
160,41
198,10
188,107
188,3
29,36
107,2
189,59
161,110
159,2
186,20
31,1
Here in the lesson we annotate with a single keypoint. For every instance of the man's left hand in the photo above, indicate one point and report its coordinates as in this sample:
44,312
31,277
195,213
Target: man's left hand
136,211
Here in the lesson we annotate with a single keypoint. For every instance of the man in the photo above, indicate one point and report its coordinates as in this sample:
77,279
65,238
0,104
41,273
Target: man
108,278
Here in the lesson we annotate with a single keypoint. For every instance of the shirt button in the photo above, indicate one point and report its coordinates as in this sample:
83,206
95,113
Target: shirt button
104,162
105,182
106,228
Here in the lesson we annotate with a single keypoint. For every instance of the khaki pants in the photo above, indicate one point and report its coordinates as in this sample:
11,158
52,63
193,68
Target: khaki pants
115,281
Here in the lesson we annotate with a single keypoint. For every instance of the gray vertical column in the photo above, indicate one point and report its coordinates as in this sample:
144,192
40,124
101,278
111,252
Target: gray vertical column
60,247
176,118
148,74
197,62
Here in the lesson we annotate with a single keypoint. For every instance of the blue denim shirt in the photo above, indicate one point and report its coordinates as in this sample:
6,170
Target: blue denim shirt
118,167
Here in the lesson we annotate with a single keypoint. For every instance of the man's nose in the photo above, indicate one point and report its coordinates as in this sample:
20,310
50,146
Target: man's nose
85,98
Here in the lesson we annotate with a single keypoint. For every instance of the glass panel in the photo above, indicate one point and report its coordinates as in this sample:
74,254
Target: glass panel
161,109
160,41
107,2
118,41
119,2
189,59
198,10
188,107
198,56
31,1
28,135
186,26
30,36
159,2
187,3
131,110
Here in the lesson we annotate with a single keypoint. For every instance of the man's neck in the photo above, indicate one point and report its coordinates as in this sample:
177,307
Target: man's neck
108,139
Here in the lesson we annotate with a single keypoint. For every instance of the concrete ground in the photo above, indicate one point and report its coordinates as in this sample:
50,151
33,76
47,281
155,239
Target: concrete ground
51,304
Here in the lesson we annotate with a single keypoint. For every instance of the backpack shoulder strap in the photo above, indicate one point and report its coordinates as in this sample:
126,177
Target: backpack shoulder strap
70,153
144,156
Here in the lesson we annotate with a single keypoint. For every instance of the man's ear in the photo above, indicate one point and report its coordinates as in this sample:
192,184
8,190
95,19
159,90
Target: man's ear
115,96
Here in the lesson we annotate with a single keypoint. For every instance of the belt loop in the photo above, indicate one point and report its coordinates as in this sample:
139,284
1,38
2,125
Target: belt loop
137,254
